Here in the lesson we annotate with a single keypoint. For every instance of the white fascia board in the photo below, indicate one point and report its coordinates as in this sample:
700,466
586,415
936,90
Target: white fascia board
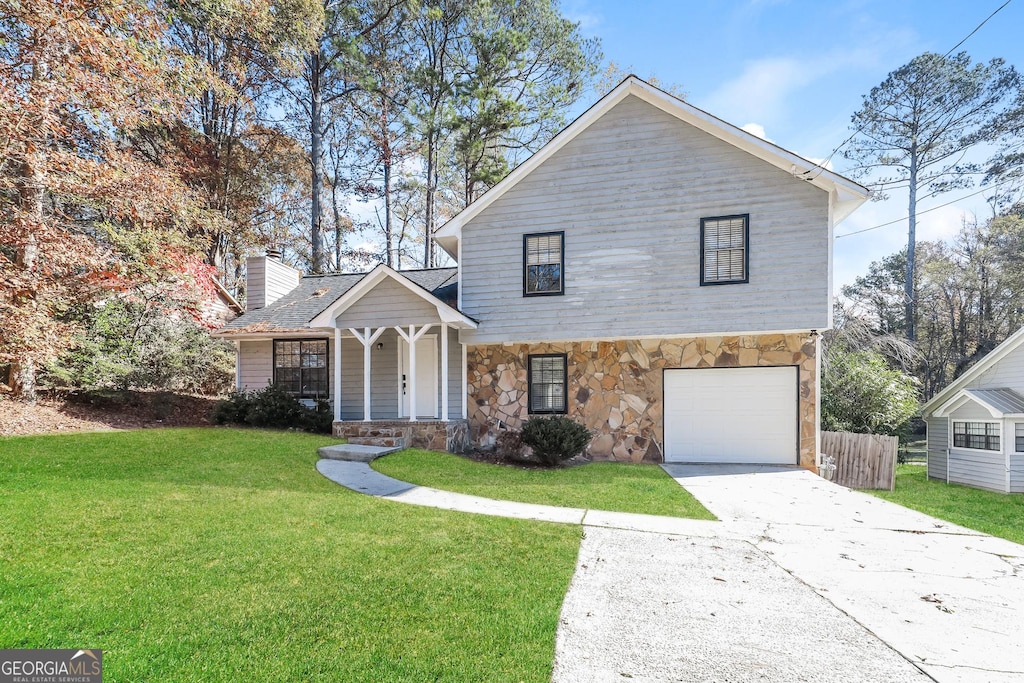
445,312
931,406
269,335
848,195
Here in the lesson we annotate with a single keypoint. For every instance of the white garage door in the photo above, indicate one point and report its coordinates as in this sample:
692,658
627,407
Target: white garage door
737,415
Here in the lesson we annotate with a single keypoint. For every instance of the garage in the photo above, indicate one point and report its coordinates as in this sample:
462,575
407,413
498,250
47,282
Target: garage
732,415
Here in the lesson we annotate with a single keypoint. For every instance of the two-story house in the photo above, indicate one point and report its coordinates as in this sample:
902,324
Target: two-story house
653,272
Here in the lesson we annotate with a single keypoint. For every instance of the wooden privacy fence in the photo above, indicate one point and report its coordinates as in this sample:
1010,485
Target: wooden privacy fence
863,461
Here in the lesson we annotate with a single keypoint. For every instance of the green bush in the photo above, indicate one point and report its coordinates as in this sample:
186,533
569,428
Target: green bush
142,345
554,439
273,407
861,393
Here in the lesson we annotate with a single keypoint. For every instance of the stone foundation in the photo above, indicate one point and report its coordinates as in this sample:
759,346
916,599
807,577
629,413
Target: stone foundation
433,435
615,388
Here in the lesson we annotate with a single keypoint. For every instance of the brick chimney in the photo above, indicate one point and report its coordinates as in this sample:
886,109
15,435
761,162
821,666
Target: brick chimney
267,280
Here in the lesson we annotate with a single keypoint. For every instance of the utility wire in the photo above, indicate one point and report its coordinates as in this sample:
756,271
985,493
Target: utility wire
821,164
934,208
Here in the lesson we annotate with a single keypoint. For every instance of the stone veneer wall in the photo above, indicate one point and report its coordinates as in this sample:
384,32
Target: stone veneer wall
433,435
615,388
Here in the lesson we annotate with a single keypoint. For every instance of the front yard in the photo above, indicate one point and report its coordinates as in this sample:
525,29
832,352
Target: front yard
221,555
993,513
599,486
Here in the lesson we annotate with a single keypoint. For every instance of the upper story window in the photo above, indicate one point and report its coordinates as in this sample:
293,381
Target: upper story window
983,436
1019,436
547,377
543,264
300,367
724,249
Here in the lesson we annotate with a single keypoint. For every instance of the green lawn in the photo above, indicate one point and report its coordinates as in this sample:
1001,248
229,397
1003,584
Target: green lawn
222,555
998,514
599,486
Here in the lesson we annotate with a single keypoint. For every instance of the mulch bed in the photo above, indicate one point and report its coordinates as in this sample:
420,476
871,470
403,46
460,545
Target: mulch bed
103,411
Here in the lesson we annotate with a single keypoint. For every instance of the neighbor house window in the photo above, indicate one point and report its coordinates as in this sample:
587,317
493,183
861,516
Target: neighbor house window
543,262
1019,434
983,436
724,249
546,376
300,367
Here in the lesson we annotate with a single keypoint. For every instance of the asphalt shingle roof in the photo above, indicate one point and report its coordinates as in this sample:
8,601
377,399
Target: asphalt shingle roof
315,293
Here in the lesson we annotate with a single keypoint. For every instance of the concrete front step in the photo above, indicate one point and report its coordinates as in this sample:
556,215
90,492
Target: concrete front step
355,452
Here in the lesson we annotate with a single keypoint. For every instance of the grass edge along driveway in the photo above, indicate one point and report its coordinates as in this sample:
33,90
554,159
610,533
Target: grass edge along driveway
222,555
618,487
998,514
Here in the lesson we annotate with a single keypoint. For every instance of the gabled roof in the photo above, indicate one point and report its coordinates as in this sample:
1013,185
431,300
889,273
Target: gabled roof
845,194
998,402
979,368
447,313
315,293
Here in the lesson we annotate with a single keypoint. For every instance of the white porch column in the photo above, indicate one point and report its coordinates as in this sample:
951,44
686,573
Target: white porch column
337,374
465,382
444,371
366,339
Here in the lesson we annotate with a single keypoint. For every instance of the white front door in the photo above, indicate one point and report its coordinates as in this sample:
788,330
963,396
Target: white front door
732,415
426,377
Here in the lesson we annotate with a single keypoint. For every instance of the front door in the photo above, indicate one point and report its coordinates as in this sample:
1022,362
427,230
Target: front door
426,377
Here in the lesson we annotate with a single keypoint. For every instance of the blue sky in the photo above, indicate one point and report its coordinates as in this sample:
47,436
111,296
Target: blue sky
798,69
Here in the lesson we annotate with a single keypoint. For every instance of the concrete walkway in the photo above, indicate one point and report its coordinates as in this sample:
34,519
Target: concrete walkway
800,580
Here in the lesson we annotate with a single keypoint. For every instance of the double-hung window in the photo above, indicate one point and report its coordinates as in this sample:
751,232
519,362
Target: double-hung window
983,436
1018,433
543,264
300,367
724,250
547,378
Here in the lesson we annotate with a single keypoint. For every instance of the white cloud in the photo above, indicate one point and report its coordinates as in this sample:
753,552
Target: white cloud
756,129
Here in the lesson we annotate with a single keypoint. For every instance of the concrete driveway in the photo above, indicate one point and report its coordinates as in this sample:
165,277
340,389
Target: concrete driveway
950,600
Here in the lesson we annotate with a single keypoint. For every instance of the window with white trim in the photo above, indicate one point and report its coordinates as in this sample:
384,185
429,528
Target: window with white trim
724,249
543,262
547,378
1019,437
982,436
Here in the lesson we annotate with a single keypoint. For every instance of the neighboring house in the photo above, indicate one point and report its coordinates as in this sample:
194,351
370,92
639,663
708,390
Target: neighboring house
220,308
976,424
653,272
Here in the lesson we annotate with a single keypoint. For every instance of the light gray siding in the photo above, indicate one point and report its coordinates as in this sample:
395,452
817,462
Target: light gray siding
1007,373
455,396
629,194
256,364
256,360
971,411
938,442
389,303
383,378
1016,473
983,469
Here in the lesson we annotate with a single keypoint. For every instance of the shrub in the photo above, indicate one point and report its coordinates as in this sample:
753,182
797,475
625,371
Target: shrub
273,407
554,439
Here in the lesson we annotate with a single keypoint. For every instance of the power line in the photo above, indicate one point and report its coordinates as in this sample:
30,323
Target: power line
934,208
821,165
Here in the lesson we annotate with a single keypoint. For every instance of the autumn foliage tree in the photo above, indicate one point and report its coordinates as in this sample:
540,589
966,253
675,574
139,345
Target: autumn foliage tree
76,78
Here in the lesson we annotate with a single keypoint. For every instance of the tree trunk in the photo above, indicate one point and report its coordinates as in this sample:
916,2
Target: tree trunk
908,287
31,191
428,227
316,137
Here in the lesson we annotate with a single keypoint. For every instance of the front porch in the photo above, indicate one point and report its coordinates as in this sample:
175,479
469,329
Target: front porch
399,367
